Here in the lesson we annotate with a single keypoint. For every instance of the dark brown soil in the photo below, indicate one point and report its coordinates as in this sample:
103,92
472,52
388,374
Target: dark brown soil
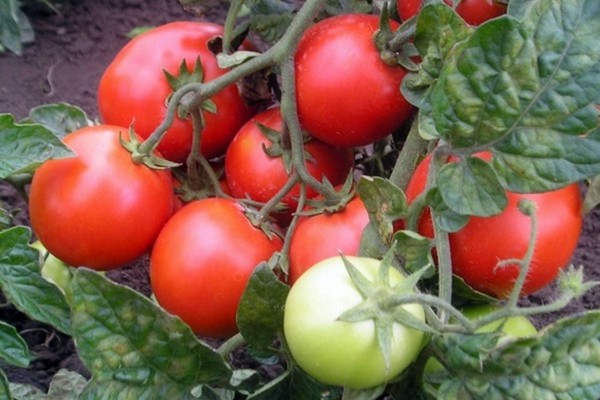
64,64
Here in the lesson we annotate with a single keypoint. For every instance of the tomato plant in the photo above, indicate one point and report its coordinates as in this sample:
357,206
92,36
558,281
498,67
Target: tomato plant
479,247
99,209
134,89
338,352
202,260
340,100
325,235
474,12
258,165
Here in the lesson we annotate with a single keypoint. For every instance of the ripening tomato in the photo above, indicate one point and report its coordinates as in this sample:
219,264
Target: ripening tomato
202,261
474,12
134,89
252,173
478,247
344,353
99,209
321,236
346,94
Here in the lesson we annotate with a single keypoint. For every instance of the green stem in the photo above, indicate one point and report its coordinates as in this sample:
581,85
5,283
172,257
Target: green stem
229,25
231,344
414,146
276,199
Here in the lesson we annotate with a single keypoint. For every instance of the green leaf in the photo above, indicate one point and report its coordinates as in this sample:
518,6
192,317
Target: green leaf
336,7
4,387
10,32
21,391
385,203
371,244
528,89
23,147
133,348
442,215
592,197
295,384
438,31
415,249
563,362
470,187
66,385
60,118
23,285
13,348
260,312
270,18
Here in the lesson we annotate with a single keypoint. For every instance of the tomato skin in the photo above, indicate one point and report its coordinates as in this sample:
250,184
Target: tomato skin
343,353
99,209
134,90
477,248
321,236
252,173
346,94
202,261
474,12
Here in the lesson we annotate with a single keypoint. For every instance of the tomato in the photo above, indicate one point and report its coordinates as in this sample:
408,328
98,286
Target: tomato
344,353
326,235
202,261
252,173
99,209
134,89
474,12
346,94
483,242
515,326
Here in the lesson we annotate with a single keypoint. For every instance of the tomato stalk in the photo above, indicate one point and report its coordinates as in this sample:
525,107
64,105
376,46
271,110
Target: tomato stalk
413,147
228,346
229,25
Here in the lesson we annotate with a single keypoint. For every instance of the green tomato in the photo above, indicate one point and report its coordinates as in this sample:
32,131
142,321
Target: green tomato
344,353
514,326
53,269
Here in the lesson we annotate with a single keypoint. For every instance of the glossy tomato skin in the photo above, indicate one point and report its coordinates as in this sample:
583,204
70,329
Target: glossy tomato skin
483,242
202,261
134,90
474,12
321,236
346,94
252,173
343,353
99,209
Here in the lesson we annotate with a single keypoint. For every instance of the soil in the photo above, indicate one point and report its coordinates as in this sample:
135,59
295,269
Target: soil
72,47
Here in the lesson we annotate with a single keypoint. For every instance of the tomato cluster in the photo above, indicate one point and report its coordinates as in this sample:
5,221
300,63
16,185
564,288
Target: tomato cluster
115,200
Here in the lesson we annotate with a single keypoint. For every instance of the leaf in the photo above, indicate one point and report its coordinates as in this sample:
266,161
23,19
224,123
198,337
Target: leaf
60,118
4,387
21,391
270,18
336,7
66,385
23,285
563,362
13,348
23,147
470,187
592,197
415,249
133,348
260,312
438,31
295,384
385,203
527,89
442,215
10,32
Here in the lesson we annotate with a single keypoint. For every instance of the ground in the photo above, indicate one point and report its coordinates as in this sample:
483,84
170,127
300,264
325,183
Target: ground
64,64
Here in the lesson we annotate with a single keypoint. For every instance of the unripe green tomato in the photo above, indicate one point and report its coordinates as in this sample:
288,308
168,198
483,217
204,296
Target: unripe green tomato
515,326
53,269
344,353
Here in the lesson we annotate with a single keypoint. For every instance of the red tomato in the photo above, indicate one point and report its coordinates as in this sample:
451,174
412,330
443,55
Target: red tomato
347,95
202,261
321,236
99,209
483,242
251,172
134,89
474,12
